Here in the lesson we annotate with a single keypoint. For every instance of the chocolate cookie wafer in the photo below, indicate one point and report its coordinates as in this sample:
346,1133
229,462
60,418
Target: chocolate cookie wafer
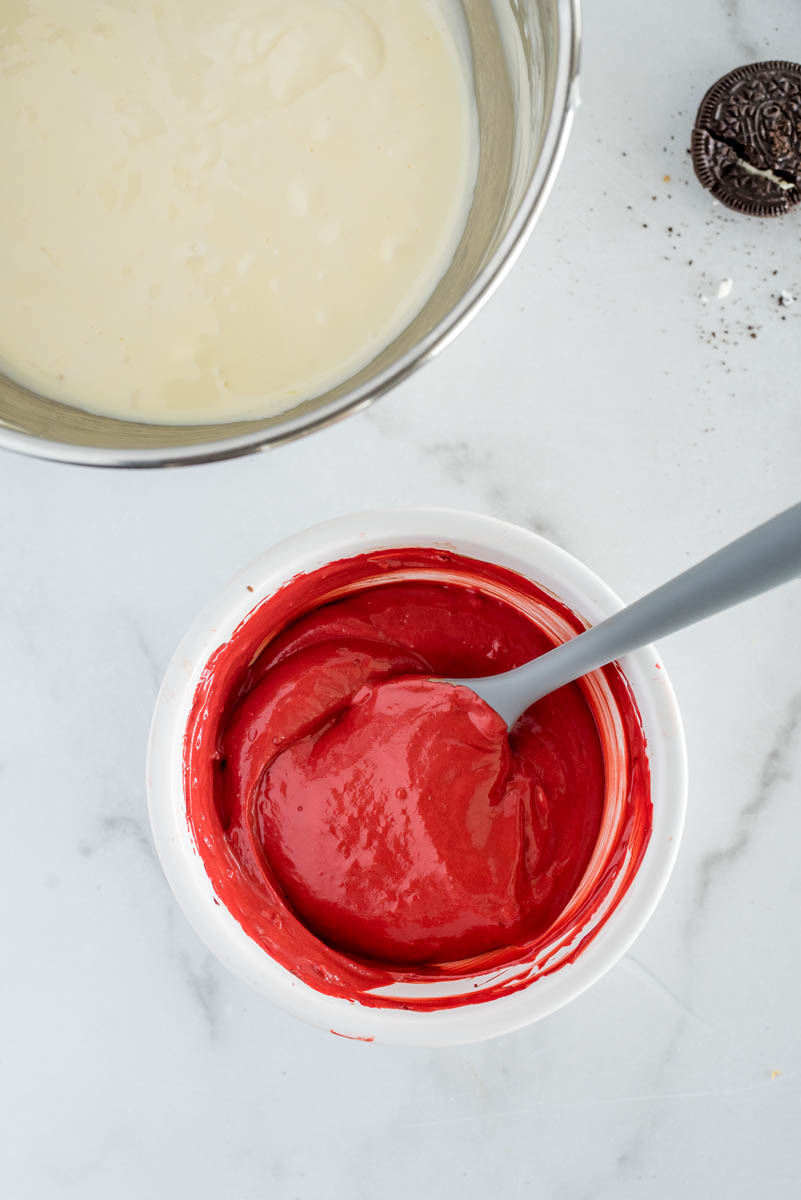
746,144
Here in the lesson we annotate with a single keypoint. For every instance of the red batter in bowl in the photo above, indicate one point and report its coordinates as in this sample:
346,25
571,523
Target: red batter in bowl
368,825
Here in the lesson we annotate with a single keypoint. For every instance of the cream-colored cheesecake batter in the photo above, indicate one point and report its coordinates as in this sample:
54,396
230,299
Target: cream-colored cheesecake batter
212,211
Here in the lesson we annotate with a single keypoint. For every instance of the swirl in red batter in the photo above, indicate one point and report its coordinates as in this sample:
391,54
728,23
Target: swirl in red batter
368,825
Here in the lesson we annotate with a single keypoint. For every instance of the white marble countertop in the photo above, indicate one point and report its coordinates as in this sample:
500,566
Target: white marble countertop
599,400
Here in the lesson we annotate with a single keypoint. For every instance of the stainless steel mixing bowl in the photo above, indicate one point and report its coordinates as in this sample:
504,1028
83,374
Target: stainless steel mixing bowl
525,65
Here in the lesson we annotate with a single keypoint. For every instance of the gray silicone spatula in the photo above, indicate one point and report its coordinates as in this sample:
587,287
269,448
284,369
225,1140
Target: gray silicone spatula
764,558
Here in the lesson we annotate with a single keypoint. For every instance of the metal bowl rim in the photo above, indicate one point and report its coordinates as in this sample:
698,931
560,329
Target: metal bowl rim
565,101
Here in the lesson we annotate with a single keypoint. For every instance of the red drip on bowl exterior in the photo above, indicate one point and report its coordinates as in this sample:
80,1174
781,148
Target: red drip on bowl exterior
501,874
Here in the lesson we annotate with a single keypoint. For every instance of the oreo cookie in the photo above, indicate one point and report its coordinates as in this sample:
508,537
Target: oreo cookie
746,144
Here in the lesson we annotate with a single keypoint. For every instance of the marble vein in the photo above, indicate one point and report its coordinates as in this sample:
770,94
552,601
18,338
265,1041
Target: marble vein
776,769
645,973
733,14
481,470
574,1105
200,974
117,827
203,983
154,667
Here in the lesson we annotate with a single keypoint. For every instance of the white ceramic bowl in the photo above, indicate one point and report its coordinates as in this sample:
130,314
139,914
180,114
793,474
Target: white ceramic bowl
479,537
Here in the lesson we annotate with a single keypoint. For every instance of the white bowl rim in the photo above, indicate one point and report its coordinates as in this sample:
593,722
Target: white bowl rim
477,536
